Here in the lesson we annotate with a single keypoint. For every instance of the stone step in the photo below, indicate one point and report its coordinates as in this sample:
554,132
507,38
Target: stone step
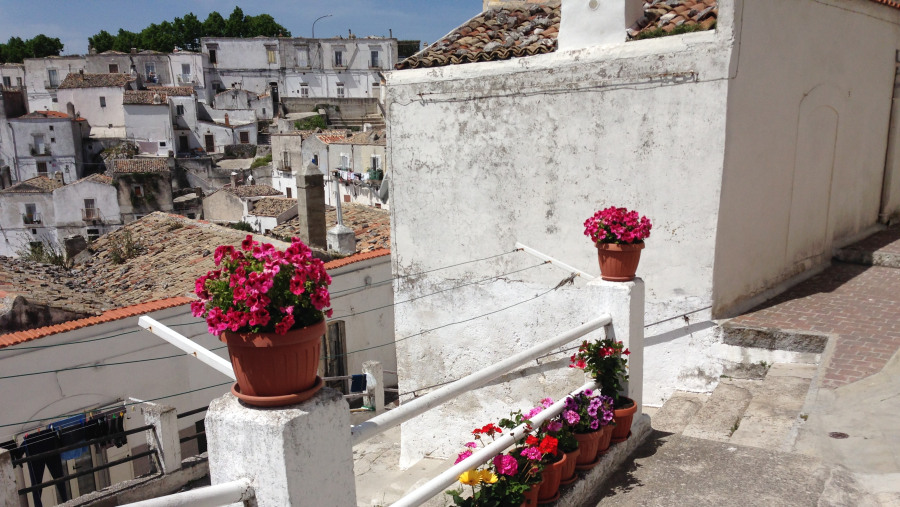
677,411
770,419
721,414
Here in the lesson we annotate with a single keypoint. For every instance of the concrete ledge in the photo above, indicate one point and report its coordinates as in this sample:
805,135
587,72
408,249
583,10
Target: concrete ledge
773,339
587,487
868,257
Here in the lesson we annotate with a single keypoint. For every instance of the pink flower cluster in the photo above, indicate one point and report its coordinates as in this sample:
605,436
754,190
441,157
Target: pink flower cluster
617,225
261,289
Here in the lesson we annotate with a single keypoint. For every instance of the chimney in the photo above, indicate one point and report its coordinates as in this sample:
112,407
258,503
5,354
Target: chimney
133,51
227,123
58,176
585,23
311,206
70,109
235,179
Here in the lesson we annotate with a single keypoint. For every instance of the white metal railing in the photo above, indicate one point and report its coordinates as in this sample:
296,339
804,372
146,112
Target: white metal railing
380,424
211,496
438,484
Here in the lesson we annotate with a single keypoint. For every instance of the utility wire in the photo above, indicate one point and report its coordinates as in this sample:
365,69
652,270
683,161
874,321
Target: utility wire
429,271
440,291
13,348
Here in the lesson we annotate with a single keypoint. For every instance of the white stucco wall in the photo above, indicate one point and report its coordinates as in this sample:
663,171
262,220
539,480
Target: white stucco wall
16,234
68,202
151,123
40,96
63,142
87,104
805,153
487,154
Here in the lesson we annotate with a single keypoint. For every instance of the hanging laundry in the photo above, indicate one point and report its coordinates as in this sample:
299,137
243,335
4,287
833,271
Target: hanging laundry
41,442
71,431
14,449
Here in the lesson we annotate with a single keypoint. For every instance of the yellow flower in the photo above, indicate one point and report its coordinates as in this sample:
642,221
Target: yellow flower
488,477
470,477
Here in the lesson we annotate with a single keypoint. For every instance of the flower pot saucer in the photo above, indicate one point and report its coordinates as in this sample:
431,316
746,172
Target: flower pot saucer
278,401
620,440
549,500
570,480
588,466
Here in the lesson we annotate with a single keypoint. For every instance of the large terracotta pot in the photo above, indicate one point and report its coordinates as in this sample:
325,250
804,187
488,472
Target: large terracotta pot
623,417
552,475
531,496
618,263
587,444
568,473
606,434
273,369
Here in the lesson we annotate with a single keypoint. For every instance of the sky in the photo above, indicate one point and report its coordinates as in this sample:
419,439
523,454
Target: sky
73,21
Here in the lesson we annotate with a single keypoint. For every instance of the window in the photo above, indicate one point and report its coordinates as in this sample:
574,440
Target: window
288,190
338,58
102,101
376,89
137,190
285,160
245,137
90,211
376,162
53,78
18,81
345,161
51,128
212,56
93,234
304,90
162,144
340,90
42,168
375,61
302,56
270,54
150,72
113,68
179,110
52,140
7,81
40,148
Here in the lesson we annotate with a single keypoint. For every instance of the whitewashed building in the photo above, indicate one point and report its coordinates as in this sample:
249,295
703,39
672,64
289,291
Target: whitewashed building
45,143
99,99
158,118
12,75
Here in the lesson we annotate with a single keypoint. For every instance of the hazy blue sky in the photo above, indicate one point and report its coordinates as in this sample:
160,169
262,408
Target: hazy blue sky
73,21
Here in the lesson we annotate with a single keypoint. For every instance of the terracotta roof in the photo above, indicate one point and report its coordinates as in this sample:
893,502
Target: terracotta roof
372,226
36,185
49,114
521,30
272,206
98,178
108,316
145,97
346,261
78,80
46,284
251,190
889,3
141,165
173,91
372,137
331,138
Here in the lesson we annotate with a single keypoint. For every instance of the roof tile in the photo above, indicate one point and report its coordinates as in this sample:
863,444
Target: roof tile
36,185
79,80
141,165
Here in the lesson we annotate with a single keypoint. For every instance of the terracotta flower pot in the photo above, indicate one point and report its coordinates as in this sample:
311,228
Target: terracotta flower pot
623,417
552,475
568,472
618,263
531,496
587,444
273,369
606,434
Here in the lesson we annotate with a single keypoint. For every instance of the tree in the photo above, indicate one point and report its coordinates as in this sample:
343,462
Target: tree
41,46
189,30
101,41
264,25
234,25
125,40
214,25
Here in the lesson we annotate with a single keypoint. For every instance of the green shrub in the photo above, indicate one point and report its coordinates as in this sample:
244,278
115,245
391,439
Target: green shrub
311,123
242,226
659,32
261,161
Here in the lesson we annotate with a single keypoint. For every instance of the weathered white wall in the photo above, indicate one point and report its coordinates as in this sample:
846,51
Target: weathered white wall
223,206
40,95
487,154
68,202
87,104
806,152
63,141
151,123
16,234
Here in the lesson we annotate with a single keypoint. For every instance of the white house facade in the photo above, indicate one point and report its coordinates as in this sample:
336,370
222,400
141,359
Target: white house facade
46,143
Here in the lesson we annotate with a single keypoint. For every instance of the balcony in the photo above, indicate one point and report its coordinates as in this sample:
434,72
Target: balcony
187,79
31,218
39,150
90,214
51,85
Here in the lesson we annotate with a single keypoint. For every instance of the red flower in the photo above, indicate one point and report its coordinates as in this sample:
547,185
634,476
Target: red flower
548,445
531,440
627,352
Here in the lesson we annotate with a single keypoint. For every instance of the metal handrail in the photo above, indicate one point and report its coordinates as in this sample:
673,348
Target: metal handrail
438,484
126,459
192,412
407,411
79,445
226,493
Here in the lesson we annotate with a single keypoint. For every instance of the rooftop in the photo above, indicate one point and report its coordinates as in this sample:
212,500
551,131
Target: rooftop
54,115
272,206
251,190
371,137
141,165
79,80
97,178
145,97
36,185
173,91
519,30
372,226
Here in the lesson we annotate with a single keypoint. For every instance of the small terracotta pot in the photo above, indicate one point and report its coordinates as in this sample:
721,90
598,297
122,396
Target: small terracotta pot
587,444
271,365
568,473
605,438
618,263
623,418
552,474
531,496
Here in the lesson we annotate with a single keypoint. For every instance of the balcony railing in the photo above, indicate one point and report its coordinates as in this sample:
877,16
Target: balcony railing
51,85
186,79
90,214
39,150
31,218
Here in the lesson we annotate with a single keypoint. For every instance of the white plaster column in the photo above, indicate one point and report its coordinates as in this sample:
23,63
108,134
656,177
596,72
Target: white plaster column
375,385
299,455
9,494
164,435
625,303
585,23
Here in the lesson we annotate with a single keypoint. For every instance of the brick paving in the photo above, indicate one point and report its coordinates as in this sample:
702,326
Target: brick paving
858,304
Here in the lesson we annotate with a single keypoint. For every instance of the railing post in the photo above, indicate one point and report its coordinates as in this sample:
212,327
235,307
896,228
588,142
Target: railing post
374,394
9,491
164,435
625,303
294,455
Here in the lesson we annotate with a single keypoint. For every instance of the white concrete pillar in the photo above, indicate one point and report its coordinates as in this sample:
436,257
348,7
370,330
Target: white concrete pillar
299,455
164,435
625,303
9,494
374,385
585,23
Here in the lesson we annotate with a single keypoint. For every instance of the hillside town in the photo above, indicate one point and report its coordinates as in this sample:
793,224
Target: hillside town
443,187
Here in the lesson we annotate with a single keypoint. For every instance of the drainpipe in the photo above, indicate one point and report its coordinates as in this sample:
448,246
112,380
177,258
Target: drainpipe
890,184
15,152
